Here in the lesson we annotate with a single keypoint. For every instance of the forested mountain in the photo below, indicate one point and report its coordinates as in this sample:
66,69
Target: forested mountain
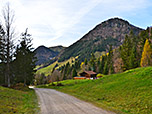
45,54
110,32
57,49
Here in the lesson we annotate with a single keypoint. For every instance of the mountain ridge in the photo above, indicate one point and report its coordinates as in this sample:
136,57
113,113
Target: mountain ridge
109,32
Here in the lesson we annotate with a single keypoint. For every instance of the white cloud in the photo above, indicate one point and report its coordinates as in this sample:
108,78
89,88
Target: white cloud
54,16
50,20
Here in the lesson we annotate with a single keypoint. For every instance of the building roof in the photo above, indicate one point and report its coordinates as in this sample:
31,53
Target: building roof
90,72
80,76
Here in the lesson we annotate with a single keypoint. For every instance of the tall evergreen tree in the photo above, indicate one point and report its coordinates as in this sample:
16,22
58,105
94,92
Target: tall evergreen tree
85,61
110,61
142,36
106,70
8,17
2,44
92,62
101,66
133,62
25,59
2,57
74,72
125,52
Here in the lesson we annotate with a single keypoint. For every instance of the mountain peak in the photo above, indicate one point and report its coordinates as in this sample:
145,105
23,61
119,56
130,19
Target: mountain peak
109,32
115,19
44,54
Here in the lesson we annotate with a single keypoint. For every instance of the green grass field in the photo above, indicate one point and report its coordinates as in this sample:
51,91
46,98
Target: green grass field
129,92
18,102
47,70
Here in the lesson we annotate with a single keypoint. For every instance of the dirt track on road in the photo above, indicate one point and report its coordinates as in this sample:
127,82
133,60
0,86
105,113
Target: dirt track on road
55,102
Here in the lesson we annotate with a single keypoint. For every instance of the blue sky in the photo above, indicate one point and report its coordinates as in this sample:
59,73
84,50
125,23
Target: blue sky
62,22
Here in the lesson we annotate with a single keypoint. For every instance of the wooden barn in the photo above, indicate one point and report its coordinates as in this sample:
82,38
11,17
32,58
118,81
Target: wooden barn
88,74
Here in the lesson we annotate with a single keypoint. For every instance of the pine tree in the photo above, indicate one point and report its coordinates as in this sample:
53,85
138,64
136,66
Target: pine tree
110,61
142,36
74,72
101,66
25,59
146,59
66,71
8,17
133,62
125,51
105,70
2,44
92,62
85,61
2,57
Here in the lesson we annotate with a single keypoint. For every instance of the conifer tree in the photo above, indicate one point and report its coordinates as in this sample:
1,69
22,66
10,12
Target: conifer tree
2,44
74,72
25,60
133,62
146,59
92,62
85,61
125,51
106,70
2,57
142,36
8,18
101,66
110,61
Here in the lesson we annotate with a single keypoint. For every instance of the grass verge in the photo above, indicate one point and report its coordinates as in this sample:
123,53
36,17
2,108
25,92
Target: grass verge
129,92
18,101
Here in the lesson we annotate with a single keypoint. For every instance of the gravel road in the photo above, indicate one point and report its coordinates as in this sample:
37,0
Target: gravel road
54,102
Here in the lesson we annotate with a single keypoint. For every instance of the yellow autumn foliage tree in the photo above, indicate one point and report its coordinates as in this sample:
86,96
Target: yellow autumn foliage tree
82,65
146,59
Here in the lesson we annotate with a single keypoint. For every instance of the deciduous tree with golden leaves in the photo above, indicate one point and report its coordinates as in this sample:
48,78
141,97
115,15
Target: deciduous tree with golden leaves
146,59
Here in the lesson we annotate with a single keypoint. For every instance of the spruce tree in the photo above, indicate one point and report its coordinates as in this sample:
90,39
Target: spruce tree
85,61
110,61
2,57
142,36
133,62
101,66
25,59
74,72
106,70
125,52
92,62
8,18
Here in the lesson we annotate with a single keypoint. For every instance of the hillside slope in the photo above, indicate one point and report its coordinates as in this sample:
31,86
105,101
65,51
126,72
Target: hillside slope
17,101
129,92
110,32
57,49
48,69
44,54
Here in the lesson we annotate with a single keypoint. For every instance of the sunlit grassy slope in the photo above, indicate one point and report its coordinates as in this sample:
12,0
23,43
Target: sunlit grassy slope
129,92
18,102
47,70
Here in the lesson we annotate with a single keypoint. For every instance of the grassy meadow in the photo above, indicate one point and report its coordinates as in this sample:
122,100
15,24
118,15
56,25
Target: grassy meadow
18,101
47,70
129,92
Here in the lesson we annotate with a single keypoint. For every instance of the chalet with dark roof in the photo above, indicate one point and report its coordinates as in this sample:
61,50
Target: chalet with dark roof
88,74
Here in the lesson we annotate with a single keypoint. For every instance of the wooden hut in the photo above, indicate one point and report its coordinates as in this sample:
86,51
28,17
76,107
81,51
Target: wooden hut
88,74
